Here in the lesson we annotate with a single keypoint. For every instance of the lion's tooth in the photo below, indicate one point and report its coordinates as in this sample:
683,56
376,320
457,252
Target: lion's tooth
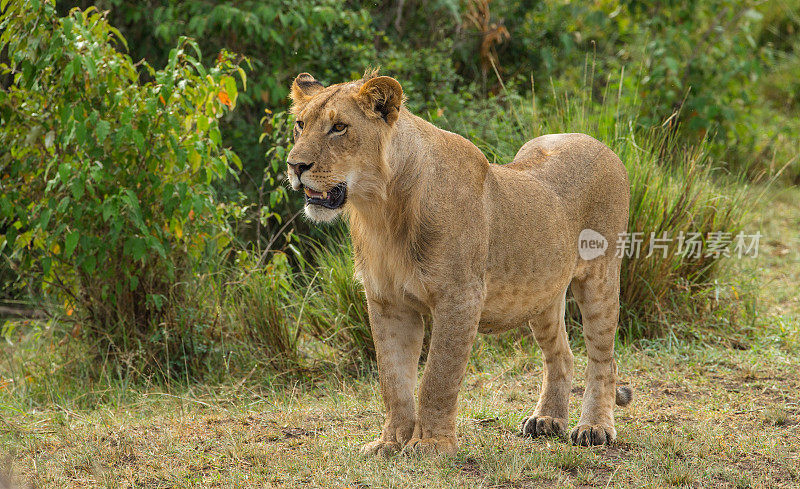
324,195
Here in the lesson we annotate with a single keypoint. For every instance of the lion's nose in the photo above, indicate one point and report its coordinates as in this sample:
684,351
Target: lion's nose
299,168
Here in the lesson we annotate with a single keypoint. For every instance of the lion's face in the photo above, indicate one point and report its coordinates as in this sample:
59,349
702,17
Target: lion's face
339,135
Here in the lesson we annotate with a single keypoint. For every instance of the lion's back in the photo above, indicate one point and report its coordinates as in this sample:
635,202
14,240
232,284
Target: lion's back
587,176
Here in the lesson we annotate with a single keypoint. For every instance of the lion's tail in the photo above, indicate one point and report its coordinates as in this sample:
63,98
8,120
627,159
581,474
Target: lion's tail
624,395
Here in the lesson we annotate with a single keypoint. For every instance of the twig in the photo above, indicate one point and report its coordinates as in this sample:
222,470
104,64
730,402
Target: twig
185,399
274,238
22,313
747,411
612,476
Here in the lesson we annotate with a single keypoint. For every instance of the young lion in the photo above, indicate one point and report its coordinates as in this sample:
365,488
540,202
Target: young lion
440,233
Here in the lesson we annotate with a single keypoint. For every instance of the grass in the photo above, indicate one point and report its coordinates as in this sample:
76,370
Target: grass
706,414
700,418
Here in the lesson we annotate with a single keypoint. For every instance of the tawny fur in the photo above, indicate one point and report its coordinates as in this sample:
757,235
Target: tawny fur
440,233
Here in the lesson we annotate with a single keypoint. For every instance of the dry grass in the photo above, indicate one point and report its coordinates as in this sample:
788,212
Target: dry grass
703,416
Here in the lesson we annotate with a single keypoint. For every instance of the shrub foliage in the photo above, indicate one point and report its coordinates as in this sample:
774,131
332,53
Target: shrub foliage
107,181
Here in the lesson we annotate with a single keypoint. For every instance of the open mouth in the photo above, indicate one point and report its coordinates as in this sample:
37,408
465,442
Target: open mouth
331,199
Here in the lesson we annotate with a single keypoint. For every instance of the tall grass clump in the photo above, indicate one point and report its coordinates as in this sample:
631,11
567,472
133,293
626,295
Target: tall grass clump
261,306
675,190
301,314
333,307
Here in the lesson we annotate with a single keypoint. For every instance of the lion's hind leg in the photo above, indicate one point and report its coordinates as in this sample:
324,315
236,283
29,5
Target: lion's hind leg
549,418
597,294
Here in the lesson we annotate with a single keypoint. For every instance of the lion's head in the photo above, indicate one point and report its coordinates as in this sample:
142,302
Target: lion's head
340,133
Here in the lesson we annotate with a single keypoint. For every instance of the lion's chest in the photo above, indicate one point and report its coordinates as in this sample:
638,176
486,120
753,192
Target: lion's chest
387,271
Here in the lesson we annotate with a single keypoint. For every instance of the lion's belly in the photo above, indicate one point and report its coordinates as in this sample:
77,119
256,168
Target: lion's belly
511,303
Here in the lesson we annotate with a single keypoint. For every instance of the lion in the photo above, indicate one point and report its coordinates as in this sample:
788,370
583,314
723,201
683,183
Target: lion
443,237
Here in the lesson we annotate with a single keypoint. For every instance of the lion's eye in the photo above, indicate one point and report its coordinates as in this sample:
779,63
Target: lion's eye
339,127
299,125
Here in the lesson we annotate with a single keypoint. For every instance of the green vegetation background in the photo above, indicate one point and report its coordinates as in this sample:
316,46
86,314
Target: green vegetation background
143,208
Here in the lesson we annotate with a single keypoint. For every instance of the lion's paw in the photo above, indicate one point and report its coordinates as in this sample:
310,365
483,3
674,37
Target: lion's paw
431,446
534,426
381,448
587,435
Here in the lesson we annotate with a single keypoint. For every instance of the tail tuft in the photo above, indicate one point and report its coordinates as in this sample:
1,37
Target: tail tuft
624,395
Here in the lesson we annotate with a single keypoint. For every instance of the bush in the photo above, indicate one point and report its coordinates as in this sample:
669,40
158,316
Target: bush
107,186
310,317
335,42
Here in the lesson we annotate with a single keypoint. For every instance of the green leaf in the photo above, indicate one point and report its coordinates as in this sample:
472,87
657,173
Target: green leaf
138,139
6,207
77,188
139,249
89,264
156,299
67,25
276,37
243,77
11,236
102,130
156,244
127,116
69,72
131,246
215,136
80,132
236,160
109,208
44,219
63,173
202,122
91,67
70,243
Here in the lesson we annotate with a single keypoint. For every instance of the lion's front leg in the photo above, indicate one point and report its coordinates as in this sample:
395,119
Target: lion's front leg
397,332
455,324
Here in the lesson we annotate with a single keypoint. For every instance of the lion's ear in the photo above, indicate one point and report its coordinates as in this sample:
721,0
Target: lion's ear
382,96
304,87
